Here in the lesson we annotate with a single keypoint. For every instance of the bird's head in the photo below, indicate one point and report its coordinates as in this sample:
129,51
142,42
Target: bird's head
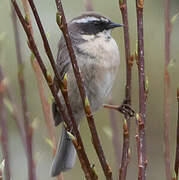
92,24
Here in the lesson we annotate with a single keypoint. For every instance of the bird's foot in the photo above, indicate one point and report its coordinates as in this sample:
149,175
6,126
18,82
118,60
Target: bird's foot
125,109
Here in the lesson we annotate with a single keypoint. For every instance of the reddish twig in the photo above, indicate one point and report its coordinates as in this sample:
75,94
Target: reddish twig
142,161
177,142
95,138
84,162
27,127
167,92
88,5
125,154
3,128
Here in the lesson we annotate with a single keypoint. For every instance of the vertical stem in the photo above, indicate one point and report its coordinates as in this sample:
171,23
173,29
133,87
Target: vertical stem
4,130
167,92
28,129
142,94
126,139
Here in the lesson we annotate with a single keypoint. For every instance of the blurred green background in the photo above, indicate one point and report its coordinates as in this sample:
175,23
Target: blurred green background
154,66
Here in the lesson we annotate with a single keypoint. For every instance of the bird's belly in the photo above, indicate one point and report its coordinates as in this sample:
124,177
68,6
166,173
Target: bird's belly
98,81
100,87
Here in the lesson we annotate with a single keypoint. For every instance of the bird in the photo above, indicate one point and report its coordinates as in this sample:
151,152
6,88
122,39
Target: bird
98,58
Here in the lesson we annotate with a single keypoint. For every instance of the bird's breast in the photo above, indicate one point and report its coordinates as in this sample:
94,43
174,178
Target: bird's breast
99,68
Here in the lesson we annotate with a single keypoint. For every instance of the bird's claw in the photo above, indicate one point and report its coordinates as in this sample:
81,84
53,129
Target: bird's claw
126,110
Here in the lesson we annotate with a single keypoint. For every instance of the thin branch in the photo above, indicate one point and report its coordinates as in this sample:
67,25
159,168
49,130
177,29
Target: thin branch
177,142
126,139
142,161
80,149
28,129
3,128
167,92
95,138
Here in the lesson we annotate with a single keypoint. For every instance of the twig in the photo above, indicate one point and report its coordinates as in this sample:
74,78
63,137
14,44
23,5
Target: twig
95,139
28,129
3,128
88,5
126,140
85,163
167,92
142,161
177,142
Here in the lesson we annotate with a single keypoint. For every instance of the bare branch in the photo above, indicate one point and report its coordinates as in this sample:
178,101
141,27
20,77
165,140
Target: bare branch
142,161
126,140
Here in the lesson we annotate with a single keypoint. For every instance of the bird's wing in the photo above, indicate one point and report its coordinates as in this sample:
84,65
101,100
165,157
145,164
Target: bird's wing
63,64
63,59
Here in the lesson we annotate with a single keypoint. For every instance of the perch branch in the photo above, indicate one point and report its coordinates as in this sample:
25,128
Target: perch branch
142,161
95,138
126,140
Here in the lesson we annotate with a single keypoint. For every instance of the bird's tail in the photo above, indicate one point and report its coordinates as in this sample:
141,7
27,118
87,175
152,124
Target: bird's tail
65,155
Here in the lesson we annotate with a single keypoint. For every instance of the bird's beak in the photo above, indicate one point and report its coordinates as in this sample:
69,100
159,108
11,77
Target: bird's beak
112,25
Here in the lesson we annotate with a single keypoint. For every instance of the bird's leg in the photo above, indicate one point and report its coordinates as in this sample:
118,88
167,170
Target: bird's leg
124,109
